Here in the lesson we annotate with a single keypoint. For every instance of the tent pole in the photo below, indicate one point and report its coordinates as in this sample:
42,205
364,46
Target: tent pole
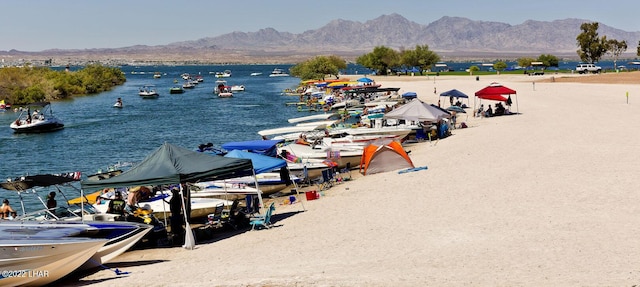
258,188
295,184
189,240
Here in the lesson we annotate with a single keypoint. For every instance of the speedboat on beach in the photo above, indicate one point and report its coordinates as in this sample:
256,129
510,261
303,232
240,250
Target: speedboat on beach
40,261
38,122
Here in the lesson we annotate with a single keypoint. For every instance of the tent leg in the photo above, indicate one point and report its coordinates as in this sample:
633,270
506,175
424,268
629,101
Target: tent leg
189,240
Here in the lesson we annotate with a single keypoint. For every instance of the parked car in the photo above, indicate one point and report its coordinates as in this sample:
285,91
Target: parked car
588,68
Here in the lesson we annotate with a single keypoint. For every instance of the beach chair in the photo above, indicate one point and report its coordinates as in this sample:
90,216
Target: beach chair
327,179
263,221
421,135
215,219
346,170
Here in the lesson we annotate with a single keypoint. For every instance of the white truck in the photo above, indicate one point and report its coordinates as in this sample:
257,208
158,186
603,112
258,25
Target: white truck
588,68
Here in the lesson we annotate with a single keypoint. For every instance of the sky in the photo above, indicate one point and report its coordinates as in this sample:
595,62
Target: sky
36,25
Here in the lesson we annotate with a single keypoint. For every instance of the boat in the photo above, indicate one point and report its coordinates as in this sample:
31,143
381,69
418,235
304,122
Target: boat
27,261
158,204
225,74
121,235
4,106
256,74
157,75
342,156
237,88
188,85
39,122
222,90
278,73
176,90
148,92
118,104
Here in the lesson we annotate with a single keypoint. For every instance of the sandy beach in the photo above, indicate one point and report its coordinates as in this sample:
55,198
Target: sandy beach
548,197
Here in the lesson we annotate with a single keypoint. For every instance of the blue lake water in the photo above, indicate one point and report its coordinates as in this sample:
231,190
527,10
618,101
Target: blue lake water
97,135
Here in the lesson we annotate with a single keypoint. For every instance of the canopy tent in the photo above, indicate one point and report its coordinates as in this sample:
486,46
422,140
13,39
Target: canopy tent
365,80
261,163
455,94
417,111
170,164
410,95
265,147
496,92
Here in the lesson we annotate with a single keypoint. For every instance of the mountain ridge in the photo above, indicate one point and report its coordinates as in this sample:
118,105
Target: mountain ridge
448,36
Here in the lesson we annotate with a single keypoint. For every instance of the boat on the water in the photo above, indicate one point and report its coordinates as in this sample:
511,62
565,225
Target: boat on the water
118,104
237,88
176,90
256,74
225,74
39,122
148,92
278,73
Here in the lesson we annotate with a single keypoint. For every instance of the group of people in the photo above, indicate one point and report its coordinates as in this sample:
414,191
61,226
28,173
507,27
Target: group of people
490,112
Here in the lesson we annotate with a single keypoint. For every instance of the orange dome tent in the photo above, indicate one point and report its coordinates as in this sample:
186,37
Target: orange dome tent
383,158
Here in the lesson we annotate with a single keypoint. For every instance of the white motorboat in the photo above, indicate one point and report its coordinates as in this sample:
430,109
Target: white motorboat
237,88
122,235
148,92
159,204
256,74
225,74
37,262
38,122
268,182
340,155
278,73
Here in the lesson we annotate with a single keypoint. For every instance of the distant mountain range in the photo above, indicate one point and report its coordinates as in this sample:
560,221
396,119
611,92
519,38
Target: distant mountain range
451,37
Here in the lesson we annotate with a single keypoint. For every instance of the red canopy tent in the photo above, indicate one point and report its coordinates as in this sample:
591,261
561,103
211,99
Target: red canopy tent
496,92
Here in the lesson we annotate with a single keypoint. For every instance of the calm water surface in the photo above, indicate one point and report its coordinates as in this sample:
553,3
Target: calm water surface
97,135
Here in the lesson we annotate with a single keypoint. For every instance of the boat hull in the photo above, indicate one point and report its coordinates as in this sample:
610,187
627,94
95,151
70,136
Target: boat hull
41,127
44,260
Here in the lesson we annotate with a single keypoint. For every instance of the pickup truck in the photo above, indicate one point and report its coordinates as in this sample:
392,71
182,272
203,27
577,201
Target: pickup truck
588,68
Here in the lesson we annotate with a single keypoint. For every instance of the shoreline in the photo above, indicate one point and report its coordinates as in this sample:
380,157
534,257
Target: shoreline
546,197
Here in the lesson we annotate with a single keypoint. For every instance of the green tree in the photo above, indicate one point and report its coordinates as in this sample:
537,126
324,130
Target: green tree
381,59
616,48
473,68
525,62
592,47
420,57
500,66
318,67
548,60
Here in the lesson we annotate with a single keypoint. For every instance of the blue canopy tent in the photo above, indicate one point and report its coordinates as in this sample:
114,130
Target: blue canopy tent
365,80
264,147
455,94
261,163
409,95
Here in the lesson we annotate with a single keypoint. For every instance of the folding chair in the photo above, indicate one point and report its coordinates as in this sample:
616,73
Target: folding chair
263,221
345,170
326,181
